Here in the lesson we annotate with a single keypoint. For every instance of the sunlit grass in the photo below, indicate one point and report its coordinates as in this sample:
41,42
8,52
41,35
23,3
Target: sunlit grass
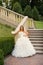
5,31
38,24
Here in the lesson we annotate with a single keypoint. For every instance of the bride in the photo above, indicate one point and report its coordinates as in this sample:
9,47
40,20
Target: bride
23,46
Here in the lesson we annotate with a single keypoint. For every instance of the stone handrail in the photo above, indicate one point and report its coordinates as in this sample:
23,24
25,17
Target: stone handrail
14,18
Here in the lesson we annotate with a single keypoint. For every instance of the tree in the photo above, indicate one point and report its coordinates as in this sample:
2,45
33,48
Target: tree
41,9
35,13
27,11
17,7
12,2
6,3
24,3
35,3
0,2
38,4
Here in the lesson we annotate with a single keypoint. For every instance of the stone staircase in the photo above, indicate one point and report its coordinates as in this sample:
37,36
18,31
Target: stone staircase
36,37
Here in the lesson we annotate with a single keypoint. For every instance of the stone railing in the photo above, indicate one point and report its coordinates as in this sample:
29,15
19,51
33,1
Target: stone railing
14,18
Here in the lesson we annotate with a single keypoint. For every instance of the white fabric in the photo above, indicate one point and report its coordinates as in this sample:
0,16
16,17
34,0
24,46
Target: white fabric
21,23
23,46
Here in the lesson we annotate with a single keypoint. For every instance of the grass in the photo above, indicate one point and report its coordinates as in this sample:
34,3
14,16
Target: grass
39,24
5,31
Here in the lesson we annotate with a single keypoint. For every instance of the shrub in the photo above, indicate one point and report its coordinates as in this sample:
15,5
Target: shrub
17,7
35,13
6,44
27,11
1,57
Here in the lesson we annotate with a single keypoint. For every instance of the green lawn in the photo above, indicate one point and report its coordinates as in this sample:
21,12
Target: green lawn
39,24
5,31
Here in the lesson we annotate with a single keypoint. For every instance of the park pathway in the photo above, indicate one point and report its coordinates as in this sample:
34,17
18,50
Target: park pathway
34,60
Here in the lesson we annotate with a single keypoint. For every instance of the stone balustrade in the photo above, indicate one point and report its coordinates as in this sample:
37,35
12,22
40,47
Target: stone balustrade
14,18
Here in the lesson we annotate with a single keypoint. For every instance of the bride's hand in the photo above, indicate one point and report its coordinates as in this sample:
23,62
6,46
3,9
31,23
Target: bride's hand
26,33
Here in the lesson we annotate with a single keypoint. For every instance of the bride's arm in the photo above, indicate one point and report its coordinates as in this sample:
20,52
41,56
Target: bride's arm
15,33
27,33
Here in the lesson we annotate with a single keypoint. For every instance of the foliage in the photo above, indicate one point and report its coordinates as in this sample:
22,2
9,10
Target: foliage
0,2
24,3
38,4
17,7
41,9
12,2
35,14
27,11
6,44
1,57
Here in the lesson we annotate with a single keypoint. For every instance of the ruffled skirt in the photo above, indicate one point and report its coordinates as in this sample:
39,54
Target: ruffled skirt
23,48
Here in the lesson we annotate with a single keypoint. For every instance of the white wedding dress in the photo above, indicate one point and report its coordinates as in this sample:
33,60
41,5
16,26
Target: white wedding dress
23,46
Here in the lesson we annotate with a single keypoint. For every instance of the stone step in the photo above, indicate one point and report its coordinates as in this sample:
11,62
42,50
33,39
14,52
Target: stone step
35,36
36,39
35,30
39,52
37,42
39,48
38,45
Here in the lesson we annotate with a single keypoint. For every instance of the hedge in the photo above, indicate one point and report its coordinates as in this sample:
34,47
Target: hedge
1,57
6,44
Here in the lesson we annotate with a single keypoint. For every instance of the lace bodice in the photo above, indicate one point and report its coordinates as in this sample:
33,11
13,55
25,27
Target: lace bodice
21,34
